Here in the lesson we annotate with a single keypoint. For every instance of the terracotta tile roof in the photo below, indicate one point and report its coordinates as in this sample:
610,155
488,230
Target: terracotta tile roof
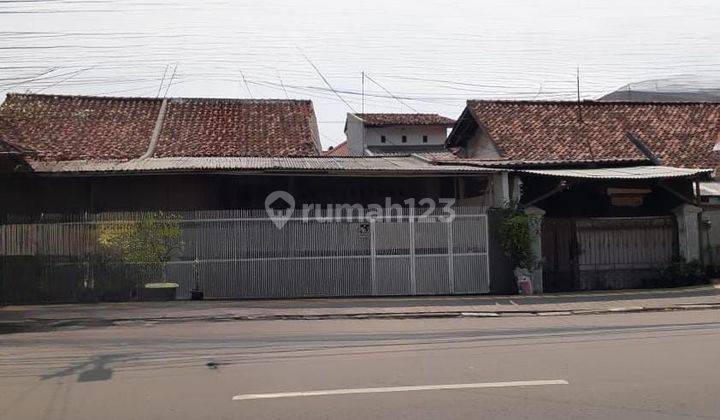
339,150
76,127
8,147
231,127
380,120
680,134
102,128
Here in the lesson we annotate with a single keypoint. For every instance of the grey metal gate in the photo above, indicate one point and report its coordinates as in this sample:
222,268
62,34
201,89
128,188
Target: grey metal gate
249,257
243,254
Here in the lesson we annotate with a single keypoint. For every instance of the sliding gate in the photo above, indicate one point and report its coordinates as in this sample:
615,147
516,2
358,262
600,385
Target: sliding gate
243,254
249,257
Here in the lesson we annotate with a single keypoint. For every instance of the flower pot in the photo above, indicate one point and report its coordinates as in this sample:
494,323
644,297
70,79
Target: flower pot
160,291
523,278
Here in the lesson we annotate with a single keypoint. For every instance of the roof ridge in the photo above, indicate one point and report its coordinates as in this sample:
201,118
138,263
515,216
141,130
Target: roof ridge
158,99
585,102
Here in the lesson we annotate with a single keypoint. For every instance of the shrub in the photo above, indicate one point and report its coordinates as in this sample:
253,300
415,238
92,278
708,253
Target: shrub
516,233
150,242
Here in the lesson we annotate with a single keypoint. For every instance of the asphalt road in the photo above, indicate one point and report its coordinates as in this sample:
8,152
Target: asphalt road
622,366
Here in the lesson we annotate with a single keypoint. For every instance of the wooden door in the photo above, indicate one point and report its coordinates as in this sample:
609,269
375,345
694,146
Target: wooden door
559,254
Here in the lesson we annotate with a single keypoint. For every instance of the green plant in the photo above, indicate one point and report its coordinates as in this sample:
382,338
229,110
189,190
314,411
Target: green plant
683,273
516,233
150,242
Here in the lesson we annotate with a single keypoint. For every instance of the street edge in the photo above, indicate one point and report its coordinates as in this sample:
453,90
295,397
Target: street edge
39,325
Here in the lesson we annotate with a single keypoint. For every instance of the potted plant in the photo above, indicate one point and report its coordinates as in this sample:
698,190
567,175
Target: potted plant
516,232
147,245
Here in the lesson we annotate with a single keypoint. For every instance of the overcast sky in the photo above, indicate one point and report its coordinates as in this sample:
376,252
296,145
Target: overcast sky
431,55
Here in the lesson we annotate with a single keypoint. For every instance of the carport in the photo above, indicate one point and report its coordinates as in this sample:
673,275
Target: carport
612,228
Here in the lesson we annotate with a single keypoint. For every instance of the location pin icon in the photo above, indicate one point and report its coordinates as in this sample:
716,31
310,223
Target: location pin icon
280,206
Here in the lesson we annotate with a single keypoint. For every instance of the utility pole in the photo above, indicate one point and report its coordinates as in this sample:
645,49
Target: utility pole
362,111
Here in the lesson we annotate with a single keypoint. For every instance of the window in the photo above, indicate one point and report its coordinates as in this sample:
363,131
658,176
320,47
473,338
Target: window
382,139
404,139
425,139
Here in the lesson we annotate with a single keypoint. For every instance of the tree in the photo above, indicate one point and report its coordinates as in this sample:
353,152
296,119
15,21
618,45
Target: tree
149,243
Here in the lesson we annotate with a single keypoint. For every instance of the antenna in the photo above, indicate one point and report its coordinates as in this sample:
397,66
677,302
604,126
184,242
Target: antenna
246,84
581,123
162,81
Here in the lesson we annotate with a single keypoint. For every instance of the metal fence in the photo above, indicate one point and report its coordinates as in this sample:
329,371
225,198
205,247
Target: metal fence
243,254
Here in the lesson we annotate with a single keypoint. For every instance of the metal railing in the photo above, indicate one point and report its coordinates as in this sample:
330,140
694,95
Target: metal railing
243,254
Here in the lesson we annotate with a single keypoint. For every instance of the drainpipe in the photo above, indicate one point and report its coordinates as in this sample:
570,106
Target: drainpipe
156,131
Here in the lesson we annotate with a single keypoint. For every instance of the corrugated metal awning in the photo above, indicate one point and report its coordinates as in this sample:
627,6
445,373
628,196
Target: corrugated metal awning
634,172
710,189
328,164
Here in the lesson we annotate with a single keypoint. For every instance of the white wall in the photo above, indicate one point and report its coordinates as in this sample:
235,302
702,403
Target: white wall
414,134
436,135
479,146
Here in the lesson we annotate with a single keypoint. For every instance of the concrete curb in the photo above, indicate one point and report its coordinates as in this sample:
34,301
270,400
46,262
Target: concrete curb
39,325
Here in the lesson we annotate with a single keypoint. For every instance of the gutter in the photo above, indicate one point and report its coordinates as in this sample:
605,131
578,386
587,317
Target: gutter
156,131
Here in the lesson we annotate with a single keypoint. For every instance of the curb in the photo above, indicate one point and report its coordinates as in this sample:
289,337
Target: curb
42,325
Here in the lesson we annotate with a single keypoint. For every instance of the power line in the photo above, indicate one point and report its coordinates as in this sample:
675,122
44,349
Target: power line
326,82
390,93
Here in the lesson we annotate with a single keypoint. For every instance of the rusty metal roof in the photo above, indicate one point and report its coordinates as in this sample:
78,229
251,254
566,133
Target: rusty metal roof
342,165
634,172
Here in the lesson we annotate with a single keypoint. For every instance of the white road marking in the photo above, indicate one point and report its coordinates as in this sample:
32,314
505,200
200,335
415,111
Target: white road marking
399,389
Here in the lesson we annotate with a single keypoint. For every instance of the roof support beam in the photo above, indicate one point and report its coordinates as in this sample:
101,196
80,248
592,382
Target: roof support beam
676,194
562,186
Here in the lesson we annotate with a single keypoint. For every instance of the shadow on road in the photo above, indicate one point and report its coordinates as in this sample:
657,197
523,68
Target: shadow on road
95,369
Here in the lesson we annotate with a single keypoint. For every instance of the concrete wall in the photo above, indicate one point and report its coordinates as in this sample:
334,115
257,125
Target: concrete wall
436,135
479,146
360,137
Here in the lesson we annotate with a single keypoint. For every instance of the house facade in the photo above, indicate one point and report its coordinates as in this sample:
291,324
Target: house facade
615,187
212,165
614,183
